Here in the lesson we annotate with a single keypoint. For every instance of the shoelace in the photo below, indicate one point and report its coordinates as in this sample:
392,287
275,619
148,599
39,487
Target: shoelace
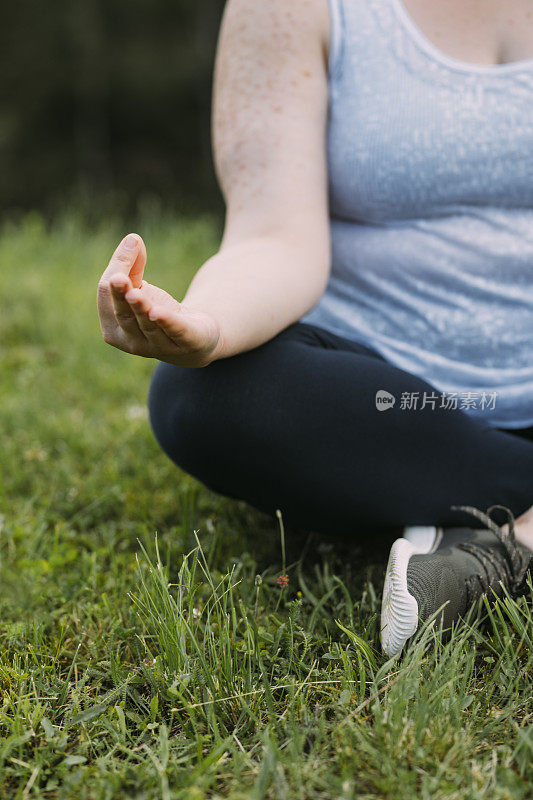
515,565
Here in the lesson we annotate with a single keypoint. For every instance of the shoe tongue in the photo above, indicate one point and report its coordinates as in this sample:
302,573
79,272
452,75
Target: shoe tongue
485,539
453,536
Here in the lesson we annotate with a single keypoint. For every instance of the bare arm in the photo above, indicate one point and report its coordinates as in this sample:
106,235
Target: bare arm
269,122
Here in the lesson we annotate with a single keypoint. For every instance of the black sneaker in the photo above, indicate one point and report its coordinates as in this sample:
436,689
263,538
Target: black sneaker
433,567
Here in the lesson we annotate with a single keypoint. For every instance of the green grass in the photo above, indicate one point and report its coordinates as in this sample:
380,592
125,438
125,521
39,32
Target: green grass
146,648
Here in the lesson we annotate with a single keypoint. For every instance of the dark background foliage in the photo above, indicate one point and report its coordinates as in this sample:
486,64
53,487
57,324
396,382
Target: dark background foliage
107,100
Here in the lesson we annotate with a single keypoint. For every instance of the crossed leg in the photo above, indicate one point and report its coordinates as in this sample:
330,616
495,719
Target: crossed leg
293,424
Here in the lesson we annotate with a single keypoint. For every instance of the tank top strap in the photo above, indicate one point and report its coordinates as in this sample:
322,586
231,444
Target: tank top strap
338,36
357,27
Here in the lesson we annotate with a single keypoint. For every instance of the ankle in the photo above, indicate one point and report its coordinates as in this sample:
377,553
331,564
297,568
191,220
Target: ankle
524,530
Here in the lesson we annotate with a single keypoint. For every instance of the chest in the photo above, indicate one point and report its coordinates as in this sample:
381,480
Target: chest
476,31
419,153
414,133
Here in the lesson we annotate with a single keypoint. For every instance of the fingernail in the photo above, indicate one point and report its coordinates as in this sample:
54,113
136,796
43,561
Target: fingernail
130,242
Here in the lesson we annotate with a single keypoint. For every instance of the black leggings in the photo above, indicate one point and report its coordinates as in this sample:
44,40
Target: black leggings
293,424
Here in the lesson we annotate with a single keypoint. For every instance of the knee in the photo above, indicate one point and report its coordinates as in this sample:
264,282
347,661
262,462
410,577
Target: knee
175,410
194,416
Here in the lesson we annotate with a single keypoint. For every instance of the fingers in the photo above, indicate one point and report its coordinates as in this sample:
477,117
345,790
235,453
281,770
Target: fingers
131,309
141,306
174,326
106,311
128,259
122,311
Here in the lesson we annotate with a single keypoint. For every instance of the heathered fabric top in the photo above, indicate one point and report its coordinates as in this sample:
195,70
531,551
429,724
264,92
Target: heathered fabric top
431,203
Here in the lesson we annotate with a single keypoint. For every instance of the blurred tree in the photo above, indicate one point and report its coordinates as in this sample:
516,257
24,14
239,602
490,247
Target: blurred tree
107,99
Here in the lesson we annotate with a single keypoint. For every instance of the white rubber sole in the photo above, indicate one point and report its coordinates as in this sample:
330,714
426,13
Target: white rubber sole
399,609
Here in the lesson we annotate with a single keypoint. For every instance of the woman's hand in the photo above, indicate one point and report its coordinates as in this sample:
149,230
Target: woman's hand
142,319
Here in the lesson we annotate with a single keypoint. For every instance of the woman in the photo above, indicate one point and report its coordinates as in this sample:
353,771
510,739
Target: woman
359,353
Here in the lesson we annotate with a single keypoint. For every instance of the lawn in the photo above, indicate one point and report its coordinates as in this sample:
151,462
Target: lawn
147,648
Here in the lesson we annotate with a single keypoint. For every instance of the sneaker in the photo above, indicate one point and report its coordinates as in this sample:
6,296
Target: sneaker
430,568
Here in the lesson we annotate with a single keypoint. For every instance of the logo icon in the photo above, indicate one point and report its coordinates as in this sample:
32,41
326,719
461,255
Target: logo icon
384,400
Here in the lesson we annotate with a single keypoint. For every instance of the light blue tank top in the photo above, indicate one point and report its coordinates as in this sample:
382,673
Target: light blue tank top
431,204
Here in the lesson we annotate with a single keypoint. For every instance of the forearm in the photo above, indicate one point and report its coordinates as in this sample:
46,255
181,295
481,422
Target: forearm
256,287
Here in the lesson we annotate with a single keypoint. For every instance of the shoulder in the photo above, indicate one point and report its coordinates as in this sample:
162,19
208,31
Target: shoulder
280,23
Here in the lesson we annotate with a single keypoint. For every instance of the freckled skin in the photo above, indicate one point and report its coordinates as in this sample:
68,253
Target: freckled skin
269,130
269,110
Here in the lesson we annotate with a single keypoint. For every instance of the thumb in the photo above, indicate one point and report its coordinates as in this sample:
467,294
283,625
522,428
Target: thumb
128,259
